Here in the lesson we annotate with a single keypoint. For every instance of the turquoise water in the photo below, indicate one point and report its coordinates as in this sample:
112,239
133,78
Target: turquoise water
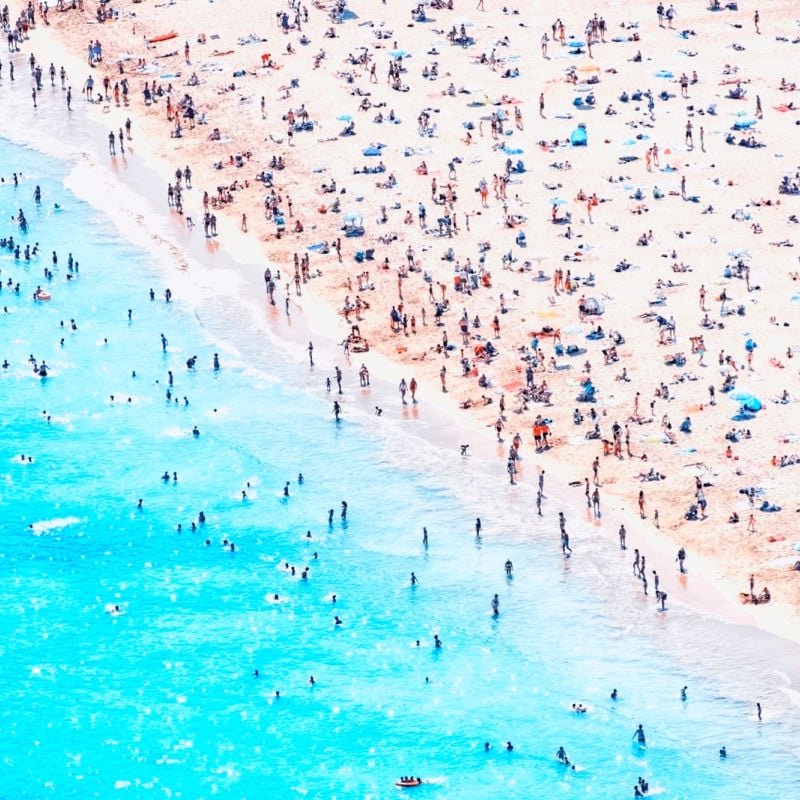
161,700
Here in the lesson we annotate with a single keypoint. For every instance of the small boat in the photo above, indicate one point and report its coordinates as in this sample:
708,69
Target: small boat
165,37
406,783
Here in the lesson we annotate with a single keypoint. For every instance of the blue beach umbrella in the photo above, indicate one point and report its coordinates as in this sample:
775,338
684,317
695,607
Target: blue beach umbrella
746,400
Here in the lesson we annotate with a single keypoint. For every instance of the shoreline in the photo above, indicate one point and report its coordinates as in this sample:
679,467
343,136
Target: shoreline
390,369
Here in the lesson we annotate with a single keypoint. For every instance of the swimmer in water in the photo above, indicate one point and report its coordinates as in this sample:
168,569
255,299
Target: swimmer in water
638,734
613,694
561,755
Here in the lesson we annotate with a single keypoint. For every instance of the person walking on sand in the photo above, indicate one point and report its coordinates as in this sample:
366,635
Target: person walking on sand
412,387
756,20
443,378
480,7
642,504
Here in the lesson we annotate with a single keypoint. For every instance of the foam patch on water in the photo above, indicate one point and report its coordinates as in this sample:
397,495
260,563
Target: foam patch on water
44,527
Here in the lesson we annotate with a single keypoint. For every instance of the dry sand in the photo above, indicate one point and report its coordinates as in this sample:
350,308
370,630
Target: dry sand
731,204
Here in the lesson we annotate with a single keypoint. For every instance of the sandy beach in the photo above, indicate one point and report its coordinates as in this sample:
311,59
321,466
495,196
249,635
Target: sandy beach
650,271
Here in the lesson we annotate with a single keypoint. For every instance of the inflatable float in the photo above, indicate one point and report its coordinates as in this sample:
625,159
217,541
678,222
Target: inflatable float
165,37
41,294
405,783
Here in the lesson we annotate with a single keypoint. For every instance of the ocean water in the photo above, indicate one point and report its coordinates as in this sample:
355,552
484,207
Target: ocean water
161,698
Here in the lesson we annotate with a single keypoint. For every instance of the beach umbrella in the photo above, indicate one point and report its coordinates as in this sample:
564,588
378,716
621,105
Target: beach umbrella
399,53
747,400
557,201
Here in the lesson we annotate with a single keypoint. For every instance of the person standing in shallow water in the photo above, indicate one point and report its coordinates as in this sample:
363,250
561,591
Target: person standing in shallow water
638,734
